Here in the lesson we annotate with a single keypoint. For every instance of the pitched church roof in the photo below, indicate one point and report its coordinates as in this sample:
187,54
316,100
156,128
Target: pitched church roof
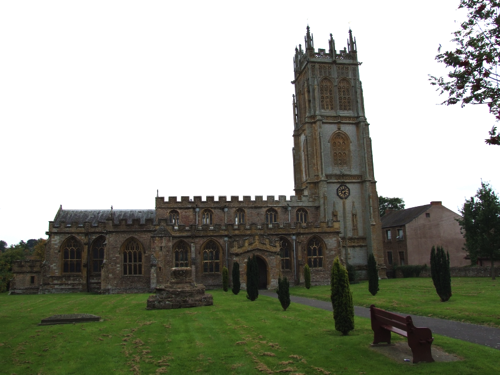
402,217
95,216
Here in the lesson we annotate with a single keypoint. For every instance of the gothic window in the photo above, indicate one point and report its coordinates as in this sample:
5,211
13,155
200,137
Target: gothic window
72,255
271,216
326,94
211,257
341,149
173,217
305,160
132,258
301,215
97,254
239,216
315,250
181,254
206,217
285,253
345,102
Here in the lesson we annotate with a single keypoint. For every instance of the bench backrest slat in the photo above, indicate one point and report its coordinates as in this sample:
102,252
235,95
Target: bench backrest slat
387,318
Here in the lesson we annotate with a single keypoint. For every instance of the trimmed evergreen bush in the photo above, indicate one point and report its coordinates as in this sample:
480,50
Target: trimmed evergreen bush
343,308
440,272
372,275
307,276
225,279
283,292
410,271
252,278
351,272
236,278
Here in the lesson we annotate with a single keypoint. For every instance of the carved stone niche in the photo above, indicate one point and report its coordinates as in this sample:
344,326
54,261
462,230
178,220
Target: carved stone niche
180,292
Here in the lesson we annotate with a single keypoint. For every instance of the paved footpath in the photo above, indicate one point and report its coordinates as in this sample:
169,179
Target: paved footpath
477,334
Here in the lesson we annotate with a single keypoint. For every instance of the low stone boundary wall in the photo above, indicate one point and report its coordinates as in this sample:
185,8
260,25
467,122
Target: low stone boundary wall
460,272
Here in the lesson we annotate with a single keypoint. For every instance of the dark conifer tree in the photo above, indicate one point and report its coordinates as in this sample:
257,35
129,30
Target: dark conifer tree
283,292
225,279
236,278
252,278
372,275
440,272
343,307
307,276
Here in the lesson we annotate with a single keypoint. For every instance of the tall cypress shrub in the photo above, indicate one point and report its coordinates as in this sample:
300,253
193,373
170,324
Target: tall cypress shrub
307,276
372,275
440,272
225,279
283,292
343,307
252,278
236,278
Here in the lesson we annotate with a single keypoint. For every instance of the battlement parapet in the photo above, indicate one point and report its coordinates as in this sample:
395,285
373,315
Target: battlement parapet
235,201
28,265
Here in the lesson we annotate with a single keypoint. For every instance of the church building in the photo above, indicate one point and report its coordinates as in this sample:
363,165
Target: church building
334,211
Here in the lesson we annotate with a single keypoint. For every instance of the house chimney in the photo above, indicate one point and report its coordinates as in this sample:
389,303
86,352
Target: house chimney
436,203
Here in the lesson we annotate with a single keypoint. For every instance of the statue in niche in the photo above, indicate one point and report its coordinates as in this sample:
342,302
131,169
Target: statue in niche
354,220
335,213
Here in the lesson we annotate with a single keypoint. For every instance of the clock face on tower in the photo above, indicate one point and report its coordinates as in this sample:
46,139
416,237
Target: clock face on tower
343,191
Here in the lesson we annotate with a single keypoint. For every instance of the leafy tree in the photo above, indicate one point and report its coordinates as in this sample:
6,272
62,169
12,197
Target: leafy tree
283,292
236,278
7,258
473,77
385,203
225,279
307,276
3,246
341,296
480,225
252,278
372,275
440,272
39,249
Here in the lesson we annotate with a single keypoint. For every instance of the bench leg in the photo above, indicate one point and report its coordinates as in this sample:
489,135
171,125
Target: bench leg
421,351
381,335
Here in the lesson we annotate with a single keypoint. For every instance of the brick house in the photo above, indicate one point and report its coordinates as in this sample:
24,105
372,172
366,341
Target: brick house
408,235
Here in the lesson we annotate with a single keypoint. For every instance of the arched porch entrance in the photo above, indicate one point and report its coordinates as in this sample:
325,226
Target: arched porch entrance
262,273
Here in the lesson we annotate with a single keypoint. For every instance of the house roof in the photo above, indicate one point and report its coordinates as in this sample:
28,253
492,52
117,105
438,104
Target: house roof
395,218
96,216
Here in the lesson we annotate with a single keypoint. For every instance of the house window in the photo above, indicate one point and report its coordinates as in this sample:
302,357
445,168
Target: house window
326,94
132,258
72,256
340,145
400,234
271,216
32,279
239,216
181,254
285,253
97,254
206,217
315,253
301,215
388,234
173,217
401,258
345,103
211,257
389,257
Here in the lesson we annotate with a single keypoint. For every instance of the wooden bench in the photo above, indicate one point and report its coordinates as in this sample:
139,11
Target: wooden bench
419,339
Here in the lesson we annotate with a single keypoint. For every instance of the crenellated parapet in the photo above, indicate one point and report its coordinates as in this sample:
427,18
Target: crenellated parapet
235,201
27,266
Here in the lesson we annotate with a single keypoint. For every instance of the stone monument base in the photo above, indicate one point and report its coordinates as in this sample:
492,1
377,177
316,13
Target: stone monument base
179,293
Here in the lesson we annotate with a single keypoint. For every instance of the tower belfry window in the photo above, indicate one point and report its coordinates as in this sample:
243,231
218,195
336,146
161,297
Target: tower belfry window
345,102
341,149
326,94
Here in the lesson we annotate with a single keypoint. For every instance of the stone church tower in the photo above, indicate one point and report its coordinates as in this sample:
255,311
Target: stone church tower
332,146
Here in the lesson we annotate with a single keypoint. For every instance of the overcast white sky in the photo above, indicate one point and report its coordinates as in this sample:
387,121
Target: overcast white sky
104,102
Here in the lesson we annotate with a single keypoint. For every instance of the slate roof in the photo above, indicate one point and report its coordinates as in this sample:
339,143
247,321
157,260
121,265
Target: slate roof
402,217
96,216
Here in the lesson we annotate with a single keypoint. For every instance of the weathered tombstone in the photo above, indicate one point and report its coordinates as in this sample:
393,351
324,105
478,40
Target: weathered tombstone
180,292
69,319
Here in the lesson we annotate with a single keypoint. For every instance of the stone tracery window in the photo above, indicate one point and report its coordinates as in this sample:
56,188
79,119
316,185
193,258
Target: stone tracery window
285,253
72,255
173,217
271,216
239,216
206,217
326,94
97,255
301,215
315,250
132,258
341,149
211,257
181,254
345,102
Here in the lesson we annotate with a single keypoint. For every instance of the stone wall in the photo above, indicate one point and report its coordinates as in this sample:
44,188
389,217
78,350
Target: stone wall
461,272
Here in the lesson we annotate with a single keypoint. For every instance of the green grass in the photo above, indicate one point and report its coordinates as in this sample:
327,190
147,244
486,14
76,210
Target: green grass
474,300
235,336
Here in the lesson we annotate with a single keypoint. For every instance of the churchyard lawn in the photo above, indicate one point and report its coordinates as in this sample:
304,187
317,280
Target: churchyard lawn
234,336
474,300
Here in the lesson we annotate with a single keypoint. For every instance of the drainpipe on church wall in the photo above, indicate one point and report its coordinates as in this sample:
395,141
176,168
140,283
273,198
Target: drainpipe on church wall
296,274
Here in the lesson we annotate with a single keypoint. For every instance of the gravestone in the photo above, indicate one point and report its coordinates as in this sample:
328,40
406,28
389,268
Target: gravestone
69,319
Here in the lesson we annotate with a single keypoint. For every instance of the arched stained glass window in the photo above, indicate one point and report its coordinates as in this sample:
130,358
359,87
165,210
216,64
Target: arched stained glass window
315,250
301,215
341,149
132,258
326,94
173,217
181,254
206,217
211,257
285,253
239,216
345,102
72,255
97,255
271,216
